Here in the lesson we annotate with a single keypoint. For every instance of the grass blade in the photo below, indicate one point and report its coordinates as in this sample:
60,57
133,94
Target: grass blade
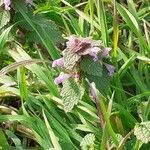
51,134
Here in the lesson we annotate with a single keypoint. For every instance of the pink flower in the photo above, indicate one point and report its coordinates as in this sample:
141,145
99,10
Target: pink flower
58,62
61,78
94,51
105,52
83,46
7,4
110,69
76,44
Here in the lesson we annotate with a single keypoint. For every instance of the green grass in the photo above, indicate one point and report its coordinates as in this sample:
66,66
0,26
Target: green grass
32,114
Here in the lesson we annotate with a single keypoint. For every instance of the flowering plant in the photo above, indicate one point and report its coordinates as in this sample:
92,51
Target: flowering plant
82,58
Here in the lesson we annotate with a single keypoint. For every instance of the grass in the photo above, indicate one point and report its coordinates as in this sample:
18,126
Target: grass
32,114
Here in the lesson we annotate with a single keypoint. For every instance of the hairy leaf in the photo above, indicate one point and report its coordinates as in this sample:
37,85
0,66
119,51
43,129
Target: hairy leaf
49,26
87,142
44,37
102,83
142,131
91,67
71,93
70,59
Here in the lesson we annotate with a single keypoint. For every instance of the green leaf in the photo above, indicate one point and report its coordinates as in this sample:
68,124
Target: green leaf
130,143
87,142
4,36
49,26
133,24
15,139
4,17
41,32
70,59
129,18
142,131
119,137
51,134
6,90
71,93
18,54
101,12
3,141
102,83
16,65
91,67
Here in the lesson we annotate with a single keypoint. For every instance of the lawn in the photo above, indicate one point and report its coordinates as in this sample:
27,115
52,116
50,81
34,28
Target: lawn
74,75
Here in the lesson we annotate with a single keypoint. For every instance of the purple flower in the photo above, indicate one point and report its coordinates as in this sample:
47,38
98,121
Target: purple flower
83,46
58,62
61,78
110,69
94,51
76,44
7,4
105,52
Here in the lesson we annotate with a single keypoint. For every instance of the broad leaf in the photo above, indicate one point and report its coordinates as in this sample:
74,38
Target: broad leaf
87,142
142,131
71,93
49,26
40,31
91,67
70,59
102,83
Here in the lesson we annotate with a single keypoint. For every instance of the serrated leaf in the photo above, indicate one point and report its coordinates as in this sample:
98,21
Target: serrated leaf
41,32
70,59
130,143
4,17
87,142
49,26
102,83
42,23
71,93
91,67
142,131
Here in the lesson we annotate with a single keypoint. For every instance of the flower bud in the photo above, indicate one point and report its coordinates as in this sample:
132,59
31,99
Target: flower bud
58,62
61,78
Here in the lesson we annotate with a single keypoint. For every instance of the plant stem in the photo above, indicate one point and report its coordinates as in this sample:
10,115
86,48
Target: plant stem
102,113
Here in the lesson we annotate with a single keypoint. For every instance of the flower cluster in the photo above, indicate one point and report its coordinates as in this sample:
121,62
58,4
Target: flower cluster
82,47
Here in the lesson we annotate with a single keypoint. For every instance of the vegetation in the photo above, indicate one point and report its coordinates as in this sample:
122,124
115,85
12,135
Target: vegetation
74,74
